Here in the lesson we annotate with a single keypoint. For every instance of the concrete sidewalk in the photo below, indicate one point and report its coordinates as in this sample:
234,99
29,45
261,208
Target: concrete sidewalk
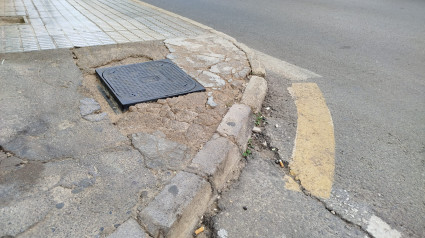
69,23
72,164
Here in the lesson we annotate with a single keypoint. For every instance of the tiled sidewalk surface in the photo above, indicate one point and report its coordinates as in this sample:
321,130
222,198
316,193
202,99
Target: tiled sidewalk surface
55,24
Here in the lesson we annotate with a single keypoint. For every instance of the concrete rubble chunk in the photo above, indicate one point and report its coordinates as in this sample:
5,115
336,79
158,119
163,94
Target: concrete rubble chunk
88,106
217,159
96,117
182,42
129,229
256,129
237,125
161,153
89,110
255,92
177,208
210,80
257,67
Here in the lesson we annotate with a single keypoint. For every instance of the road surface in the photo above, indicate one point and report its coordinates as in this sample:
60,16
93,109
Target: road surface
371,56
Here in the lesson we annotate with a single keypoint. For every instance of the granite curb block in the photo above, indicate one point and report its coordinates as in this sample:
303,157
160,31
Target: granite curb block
254,94
216,161
175,211
177,208
237,125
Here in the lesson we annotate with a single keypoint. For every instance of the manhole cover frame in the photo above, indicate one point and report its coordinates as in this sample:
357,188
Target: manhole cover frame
123,100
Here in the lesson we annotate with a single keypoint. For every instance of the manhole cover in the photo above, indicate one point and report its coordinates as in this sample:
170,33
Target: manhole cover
143,82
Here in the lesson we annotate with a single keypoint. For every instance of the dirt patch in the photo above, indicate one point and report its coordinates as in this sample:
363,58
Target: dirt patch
12,20
189,119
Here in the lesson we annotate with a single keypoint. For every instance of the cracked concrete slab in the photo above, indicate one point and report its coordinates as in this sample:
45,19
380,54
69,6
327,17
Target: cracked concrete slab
257,206
72,189
40,118
71,163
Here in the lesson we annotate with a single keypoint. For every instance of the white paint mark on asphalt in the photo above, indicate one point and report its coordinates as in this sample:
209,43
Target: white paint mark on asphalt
379,229
286,69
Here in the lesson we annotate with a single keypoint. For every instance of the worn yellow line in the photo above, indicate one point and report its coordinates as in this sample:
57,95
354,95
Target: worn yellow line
313,161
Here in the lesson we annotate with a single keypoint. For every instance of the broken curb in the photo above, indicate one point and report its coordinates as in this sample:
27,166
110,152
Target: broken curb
175,211
216,161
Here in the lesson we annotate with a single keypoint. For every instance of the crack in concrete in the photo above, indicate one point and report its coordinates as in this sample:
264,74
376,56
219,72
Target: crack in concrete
116,60
36,223
8,153
60,159
287,170
135,56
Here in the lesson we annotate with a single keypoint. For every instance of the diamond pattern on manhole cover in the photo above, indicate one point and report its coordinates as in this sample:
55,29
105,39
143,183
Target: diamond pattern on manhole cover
144,82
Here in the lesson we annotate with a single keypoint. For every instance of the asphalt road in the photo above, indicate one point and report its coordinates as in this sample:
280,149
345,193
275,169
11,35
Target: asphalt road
371,55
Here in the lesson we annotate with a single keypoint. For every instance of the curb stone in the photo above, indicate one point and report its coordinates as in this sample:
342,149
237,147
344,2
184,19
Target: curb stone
216,161
175,211
255,92
237,125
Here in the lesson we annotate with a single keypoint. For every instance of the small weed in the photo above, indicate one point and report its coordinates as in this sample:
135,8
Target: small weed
259,119
250,145
246,153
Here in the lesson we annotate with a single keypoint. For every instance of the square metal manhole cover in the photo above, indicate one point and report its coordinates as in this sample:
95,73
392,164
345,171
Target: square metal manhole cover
144,82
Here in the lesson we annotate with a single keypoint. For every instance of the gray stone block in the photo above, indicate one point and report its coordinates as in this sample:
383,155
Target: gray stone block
255,92
217,160
257,68
129,229
177,208
88,106
237,125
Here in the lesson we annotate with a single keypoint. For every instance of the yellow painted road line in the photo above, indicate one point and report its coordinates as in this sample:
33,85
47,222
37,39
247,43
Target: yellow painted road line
313,161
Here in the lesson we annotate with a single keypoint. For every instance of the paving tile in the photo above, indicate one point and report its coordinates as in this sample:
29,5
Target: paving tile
130,36
154,34
170,20
77,40
91,39
30,43
12,45
62,41
104,38
141,34
116,36
45,42
67,23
